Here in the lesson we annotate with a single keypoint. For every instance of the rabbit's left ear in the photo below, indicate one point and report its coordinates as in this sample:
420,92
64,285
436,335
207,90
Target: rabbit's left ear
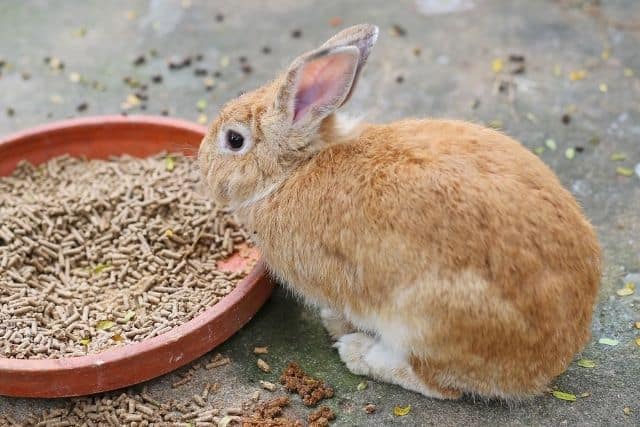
319,82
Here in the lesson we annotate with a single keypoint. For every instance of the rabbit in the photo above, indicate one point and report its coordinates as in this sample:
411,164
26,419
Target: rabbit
444,257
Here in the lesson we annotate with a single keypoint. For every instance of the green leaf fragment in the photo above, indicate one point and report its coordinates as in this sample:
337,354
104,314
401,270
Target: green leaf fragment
618,157
129,315
169,163
608,341
85,341
100,267
80,32
564,396
495,124
104,325
551,144
570,153
362,386
538,150
621,170
201,104
586,363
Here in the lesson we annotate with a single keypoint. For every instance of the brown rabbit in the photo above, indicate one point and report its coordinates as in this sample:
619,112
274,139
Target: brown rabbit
445,257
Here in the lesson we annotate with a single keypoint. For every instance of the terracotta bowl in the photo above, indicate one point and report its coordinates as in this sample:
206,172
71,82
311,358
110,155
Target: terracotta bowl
100,137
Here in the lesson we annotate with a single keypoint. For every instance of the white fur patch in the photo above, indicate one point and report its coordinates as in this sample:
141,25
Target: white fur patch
257,196
353,349
348,127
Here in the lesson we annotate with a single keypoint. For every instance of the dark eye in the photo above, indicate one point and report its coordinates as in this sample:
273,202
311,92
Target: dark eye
235,141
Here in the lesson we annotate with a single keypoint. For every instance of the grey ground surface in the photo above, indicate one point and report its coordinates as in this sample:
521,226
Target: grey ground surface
451,77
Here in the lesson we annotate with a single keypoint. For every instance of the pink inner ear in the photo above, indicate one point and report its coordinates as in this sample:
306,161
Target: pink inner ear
324,82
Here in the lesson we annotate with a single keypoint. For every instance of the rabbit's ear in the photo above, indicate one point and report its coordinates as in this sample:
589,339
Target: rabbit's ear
364,37
317,84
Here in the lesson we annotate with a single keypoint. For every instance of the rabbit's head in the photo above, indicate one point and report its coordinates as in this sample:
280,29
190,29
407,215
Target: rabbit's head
258,138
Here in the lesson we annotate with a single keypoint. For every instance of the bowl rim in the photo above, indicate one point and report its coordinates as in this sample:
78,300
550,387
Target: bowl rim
236,308
106,120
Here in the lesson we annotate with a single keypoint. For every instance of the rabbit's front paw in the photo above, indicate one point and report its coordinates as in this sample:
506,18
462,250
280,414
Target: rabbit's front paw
353,349
335,323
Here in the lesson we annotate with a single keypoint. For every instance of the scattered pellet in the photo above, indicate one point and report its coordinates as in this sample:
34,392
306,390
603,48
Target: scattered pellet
264,366
181,382
260,350
217,361
199,400
267,385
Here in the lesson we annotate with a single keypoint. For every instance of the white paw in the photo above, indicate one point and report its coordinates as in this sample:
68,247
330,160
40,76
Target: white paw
353,349
335,324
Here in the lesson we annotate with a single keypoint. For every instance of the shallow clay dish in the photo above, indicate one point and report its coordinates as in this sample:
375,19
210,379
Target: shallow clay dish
100,137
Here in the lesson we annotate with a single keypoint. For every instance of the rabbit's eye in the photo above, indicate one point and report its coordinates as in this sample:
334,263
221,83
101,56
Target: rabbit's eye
235,141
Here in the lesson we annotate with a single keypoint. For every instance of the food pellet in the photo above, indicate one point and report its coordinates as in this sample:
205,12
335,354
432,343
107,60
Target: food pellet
260,350
267,385
264,366
217,361
100,253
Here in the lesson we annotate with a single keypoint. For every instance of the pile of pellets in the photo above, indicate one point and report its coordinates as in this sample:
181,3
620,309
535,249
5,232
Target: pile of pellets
139,407
107,252
133,408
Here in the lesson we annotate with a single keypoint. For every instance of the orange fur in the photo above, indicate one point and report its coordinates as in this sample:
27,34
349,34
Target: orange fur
450,243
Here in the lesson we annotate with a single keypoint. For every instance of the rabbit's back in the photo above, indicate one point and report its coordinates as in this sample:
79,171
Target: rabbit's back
476,197
470,228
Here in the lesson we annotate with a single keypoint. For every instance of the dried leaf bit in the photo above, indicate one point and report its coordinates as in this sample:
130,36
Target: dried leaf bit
401,411
586,363
608,341
626,290
104,325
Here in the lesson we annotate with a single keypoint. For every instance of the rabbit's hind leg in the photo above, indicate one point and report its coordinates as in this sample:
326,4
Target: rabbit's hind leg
366,355
335,323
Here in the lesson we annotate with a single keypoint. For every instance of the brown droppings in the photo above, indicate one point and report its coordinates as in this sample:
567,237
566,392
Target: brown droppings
139,60
321,417
311,390
270,414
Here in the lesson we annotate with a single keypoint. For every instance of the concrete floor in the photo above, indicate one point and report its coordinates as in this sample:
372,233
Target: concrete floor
451,77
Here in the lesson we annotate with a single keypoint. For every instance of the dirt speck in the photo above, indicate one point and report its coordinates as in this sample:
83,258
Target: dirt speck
369,408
